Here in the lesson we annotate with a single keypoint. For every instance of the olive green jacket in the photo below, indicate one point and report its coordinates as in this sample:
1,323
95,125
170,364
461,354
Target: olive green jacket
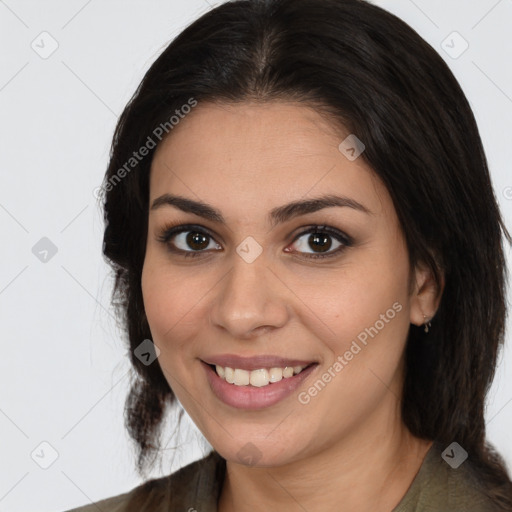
196,488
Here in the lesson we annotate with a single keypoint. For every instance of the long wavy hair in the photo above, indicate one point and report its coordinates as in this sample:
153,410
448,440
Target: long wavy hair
363,67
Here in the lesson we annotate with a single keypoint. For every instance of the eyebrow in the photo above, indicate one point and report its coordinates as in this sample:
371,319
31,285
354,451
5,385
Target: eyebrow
277,215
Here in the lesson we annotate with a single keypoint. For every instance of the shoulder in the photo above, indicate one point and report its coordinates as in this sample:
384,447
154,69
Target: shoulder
195,485
443,487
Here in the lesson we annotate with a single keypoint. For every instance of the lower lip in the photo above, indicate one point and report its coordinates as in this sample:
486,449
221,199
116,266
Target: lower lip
251,397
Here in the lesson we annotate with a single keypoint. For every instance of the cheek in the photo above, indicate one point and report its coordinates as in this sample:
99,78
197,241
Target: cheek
366,309
170,300
367,300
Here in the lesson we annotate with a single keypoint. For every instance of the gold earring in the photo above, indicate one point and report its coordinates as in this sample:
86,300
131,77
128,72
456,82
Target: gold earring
427,323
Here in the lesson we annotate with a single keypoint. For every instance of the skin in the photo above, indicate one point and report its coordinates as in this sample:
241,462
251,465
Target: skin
348,445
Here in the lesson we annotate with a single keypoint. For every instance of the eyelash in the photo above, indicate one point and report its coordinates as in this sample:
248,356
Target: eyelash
169,231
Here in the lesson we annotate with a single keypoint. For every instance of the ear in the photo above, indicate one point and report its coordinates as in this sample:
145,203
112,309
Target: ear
426,295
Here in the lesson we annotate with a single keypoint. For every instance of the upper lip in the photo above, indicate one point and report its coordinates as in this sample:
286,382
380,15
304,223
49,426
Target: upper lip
254,362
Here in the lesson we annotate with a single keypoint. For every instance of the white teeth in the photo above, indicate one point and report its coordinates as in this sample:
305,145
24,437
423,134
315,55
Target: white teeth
229,375
242,377
275,374
288,372
257,378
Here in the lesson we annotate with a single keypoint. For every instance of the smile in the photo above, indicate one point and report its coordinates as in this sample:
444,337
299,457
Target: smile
258,382
257,378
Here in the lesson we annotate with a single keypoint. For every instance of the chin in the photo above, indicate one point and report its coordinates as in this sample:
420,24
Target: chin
258,450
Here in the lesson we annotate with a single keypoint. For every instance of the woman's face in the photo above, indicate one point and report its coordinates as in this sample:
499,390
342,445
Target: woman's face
242,288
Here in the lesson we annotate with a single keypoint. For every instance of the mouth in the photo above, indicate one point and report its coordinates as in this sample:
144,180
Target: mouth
257,378
256,382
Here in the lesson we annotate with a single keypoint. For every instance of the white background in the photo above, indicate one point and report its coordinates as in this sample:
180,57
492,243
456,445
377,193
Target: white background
63,365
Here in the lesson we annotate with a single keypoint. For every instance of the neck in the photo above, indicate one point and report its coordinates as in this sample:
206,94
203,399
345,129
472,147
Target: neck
367,472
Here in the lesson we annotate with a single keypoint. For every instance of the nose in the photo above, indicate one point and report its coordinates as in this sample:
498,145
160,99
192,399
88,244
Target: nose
251,300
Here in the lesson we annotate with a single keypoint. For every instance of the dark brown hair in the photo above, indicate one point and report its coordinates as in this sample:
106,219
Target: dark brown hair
363,67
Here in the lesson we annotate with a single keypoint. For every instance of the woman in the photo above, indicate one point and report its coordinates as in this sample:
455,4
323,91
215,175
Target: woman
300,217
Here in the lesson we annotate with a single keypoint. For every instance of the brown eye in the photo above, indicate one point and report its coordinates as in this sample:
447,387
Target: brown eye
188,240
318,241
196,241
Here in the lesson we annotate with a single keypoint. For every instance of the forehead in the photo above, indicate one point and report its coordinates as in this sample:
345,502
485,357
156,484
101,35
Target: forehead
257,154
259,129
